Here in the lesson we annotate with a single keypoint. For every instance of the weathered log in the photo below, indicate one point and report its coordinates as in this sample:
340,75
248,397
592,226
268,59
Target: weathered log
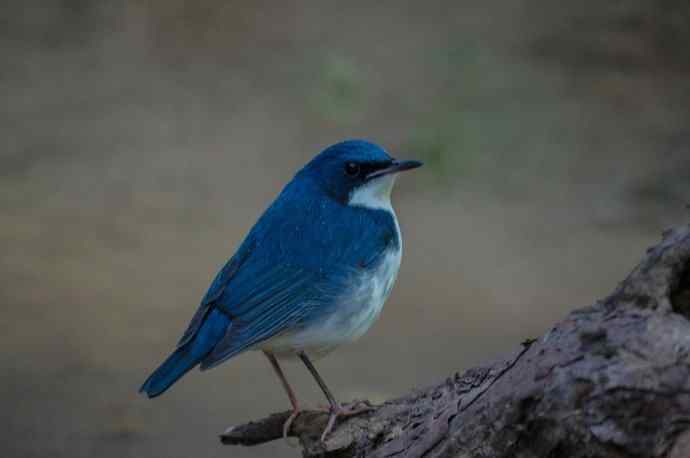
610,380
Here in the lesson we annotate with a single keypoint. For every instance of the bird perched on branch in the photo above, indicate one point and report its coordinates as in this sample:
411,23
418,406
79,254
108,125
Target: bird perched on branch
313,273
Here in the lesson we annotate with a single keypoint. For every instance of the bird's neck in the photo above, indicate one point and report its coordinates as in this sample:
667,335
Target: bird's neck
375,196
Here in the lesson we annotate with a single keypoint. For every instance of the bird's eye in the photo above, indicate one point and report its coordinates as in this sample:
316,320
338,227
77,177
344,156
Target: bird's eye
352,169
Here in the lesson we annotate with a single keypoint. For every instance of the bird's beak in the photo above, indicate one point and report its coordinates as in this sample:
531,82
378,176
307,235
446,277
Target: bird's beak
395,166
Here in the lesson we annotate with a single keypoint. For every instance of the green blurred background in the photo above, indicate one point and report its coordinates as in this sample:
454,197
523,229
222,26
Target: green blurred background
141,139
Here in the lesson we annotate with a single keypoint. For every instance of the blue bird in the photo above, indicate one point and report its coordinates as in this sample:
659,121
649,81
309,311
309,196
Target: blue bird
312,274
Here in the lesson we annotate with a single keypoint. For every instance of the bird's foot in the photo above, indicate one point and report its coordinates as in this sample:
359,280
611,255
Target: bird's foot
288,424
350,410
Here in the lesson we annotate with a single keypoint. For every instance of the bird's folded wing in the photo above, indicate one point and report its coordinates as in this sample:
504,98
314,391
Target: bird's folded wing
279,298
214,292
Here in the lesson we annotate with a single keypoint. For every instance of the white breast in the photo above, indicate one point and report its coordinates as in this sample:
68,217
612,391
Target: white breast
353,315
363,307
359,308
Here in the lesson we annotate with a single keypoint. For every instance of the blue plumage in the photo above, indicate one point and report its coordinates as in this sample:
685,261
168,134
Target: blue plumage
187,356
305,275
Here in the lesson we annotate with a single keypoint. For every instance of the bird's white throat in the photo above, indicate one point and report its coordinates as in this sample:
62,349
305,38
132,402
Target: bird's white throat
375,194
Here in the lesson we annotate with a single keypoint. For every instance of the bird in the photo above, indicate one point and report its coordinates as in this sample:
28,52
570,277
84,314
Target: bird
312,274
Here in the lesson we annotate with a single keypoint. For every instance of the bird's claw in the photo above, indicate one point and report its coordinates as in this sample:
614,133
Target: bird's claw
355,408
348,407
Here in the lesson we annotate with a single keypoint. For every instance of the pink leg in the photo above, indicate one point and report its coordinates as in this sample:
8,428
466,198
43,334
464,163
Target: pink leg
288,389
335,410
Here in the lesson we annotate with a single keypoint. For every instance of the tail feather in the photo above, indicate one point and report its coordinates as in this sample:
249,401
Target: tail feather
188,355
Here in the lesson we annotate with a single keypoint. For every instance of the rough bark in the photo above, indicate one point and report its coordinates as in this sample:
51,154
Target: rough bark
610,380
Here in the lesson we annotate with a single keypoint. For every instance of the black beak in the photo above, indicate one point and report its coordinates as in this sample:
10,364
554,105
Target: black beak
395,167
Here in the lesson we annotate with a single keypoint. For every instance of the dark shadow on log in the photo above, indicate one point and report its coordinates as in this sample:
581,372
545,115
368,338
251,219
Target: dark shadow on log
611,380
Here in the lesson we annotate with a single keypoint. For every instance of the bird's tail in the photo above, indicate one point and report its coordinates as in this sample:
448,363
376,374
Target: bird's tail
187,356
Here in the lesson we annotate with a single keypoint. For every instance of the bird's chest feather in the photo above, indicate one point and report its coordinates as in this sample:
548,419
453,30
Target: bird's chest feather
361,274
351,313
361,305
362,301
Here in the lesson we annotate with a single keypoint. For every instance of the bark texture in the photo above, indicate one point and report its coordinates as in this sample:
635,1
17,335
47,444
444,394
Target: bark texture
610,380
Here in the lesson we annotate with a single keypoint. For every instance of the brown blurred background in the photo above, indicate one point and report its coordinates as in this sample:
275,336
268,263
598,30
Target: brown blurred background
140,140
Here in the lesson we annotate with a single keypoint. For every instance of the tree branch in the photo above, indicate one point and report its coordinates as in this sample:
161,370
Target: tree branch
611,380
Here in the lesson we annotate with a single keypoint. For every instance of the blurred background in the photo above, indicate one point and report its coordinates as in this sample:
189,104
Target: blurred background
140,140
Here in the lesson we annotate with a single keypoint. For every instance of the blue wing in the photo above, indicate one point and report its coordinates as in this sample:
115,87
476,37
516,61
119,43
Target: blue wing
214,292
281,297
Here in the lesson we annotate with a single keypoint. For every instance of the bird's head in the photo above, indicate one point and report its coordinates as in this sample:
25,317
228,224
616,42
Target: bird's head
357,172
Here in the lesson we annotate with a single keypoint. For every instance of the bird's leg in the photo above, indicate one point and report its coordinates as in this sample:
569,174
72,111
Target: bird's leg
288,389
335,409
